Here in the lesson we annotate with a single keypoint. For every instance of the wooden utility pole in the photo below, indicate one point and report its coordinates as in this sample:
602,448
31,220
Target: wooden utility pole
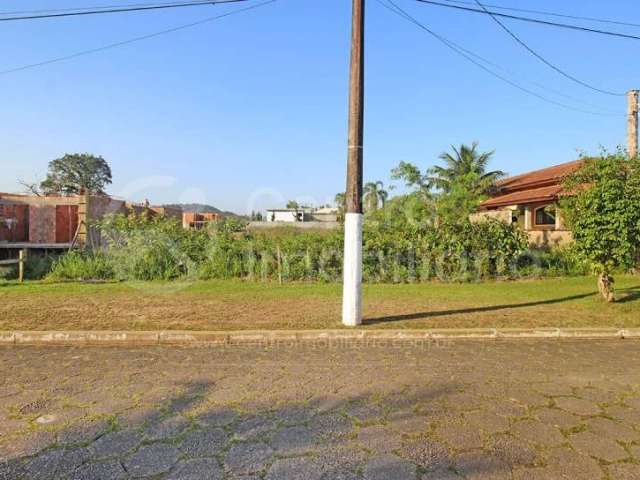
352,282
632,123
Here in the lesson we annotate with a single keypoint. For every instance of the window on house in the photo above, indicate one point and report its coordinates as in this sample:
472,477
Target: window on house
546,215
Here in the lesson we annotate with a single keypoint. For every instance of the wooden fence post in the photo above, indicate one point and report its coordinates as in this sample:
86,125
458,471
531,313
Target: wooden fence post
21,258
279,259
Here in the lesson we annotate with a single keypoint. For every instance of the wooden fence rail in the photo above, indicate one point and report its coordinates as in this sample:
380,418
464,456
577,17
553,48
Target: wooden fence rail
19,261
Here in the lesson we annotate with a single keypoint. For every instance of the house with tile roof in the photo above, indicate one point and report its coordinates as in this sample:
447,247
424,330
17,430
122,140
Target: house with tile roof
531,201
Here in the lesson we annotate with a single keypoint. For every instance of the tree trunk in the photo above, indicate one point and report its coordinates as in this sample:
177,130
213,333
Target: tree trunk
605,286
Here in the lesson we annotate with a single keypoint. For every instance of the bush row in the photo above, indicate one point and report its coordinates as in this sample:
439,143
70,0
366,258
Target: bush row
159,249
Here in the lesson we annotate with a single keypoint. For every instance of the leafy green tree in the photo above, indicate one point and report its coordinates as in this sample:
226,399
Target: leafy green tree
464,161
292,204
75,172
603,212
411,176
460,200
374,195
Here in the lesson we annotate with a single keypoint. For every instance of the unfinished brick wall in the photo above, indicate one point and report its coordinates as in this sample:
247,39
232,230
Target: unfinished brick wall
14,222
42,223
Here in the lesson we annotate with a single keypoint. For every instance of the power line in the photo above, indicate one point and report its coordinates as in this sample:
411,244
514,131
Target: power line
528,80
95,7
119,10
535,20
133,40
544,60
470,57
550,14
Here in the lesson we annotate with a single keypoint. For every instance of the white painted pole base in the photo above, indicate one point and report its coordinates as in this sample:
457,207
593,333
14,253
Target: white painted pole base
352,279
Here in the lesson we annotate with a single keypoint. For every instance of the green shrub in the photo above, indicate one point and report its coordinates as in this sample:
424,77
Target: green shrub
36,267
553,262
8,272
400,245
77,265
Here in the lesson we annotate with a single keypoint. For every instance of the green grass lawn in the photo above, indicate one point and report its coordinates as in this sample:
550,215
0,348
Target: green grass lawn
236,305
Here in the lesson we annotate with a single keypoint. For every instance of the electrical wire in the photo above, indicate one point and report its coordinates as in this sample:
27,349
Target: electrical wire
544,60
535,20
530,81
118,10
393,7
134,39
548,13
94,7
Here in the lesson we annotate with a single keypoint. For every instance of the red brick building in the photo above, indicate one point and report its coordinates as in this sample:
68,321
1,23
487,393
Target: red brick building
57,222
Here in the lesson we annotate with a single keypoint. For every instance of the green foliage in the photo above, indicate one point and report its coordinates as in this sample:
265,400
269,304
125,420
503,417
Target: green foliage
411,176
464,161
7,272
374,195
461,199
402,243
457,188
77,265
553,262
156,248
603,211
75,172
341,202
412,247
37,266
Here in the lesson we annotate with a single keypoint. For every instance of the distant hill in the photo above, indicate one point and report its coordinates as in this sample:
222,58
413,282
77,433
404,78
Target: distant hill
201,208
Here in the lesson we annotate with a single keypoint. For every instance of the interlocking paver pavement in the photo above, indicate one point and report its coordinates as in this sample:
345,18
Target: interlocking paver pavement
475,410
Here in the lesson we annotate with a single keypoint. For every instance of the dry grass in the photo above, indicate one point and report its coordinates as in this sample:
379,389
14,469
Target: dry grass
235,305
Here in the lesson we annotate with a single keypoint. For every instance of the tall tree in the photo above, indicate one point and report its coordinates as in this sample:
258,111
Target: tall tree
374,195
75,172
412,178
463,162
602,210
292,204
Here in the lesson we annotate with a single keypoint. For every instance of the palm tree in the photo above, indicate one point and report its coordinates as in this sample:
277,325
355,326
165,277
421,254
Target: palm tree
464,161
374,194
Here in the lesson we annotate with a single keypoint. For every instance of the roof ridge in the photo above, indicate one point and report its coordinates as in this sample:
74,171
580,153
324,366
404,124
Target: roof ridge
540,170
540,176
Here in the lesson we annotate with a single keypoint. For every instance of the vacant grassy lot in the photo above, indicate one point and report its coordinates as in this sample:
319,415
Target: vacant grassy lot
236,305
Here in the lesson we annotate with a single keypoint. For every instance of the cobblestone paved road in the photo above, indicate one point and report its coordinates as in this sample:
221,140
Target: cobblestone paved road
494,410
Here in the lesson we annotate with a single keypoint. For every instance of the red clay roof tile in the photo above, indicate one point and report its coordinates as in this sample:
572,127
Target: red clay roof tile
533,195
531,187
549,175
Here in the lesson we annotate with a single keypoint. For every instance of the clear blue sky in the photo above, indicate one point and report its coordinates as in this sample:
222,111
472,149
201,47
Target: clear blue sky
256,102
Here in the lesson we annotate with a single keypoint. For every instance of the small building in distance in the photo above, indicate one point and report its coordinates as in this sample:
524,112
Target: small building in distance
174,213
303,214
288,215
198,221
531,201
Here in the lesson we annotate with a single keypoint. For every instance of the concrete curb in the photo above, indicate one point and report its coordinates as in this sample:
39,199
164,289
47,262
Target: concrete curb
134,338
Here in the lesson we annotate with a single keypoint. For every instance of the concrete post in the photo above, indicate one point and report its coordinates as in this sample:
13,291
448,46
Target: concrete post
21,258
